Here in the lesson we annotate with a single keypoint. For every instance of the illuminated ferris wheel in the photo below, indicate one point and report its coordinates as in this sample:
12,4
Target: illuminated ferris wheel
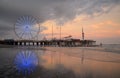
27,27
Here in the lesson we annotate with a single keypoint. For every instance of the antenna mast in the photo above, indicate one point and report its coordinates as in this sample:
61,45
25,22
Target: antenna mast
82,33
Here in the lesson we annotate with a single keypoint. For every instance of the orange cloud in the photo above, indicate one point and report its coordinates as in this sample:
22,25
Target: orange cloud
93,29
105,29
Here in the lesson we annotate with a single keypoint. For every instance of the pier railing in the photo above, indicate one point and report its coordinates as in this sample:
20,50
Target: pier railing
54,43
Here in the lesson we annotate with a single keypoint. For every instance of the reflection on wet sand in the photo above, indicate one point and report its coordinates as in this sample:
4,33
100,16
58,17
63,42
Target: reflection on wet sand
84,65
26,62
67,63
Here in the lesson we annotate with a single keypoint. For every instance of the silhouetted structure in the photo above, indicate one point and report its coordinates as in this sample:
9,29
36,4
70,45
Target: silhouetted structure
55,43
82,34
66,42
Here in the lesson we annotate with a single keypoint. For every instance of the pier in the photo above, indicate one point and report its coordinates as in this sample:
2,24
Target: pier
54,43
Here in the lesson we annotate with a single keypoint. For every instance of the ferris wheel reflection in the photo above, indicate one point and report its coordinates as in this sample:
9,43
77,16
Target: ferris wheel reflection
26,62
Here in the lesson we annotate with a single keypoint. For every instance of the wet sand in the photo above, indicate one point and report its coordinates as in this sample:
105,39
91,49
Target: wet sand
63,62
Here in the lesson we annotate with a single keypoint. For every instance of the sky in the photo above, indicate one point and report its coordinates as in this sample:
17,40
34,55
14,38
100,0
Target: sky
100,19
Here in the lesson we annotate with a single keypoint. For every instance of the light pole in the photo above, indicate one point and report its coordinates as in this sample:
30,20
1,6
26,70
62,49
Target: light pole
52,31
60,32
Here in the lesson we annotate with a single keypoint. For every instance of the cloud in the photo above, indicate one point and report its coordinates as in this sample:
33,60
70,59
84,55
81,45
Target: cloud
103,30
59,10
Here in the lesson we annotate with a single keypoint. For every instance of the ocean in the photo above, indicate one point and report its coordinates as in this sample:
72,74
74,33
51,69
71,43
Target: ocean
112,47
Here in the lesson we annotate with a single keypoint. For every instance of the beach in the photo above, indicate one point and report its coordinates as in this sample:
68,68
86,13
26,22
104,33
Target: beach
62,62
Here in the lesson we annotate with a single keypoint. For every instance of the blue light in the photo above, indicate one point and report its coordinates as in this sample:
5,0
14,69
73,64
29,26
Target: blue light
26,62
27,27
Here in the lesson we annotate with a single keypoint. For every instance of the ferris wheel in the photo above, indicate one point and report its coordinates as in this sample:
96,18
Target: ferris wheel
27,27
